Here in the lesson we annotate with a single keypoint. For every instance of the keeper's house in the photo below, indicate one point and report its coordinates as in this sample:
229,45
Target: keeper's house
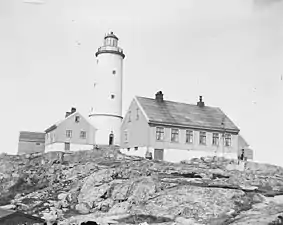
174,131
73,133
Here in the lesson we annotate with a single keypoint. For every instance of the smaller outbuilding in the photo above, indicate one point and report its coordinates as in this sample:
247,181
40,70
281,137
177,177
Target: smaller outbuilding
31,142
11,217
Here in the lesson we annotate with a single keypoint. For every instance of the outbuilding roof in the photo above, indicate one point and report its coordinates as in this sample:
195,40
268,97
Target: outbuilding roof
32,136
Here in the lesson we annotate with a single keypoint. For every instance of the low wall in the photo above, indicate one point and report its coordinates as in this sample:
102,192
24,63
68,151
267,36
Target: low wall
61,147
140,152
177,155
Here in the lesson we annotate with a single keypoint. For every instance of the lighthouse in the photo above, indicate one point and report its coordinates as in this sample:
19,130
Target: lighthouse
106,113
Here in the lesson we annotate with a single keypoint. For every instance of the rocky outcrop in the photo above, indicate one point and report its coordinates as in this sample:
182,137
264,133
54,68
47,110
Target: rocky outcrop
107,187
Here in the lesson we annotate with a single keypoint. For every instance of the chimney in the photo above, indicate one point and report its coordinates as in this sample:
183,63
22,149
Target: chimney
159,96
73,110
200,103
67,114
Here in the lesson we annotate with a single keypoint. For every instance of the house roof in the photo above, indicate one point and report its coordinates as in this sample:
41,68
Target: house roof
55,125
187,115
32,136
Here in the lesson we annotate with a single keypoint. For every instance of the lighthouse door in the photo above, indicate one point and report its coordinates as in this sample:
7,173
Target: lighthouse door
111,138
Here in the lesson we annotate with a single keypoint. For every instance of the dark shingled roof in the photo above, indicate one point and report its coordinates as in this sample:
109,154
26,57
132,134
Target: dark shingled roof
187,115
32,136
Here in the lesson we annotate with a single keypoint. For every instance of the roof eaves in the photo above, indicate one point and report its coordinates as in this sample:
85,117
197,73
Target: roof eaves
53,127
228,118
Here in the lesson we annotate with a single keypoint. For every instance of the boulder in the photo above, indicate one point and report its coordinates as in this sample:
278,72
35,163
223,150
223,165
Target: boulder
83,208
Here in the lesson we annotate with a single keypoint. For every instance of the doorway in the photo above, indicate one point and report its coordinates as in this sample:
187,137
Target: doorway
111,138
67,146
159,154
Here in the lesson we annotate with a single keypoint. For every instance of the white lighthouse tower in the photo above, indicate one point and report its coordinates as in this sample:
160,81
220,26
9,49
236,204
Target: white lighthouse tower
106,112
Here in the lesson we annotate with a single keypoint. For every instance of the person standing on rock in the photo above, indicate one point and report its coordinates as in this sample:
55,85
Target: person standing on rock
242,155
148,155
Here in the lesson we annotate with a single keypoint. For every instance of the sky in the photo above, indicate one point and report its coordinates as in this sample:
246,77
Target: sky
230,52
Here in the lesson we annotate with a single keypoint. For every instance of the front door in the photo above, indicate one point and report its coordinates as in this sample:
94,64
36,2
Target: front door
111,138
158,154
67,146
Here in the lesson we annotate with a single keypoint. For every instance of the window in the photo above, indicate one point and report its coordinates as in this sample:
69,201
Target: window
174,135
189,136
137,114
112,96
202,138
159,133
129,116
125,136
68,133
227,139
215,139
114,71
136,148
83,135
77,119
128,149
37,143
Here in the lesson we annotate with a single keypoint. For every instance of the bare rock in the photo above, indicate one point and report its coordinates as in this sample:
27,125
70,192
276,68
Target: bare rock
83,208
120,208
62,196
11,207
185,221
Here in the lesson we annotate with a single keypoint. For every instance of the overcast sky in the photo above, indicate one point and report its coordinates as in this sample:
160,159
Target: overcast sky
229,51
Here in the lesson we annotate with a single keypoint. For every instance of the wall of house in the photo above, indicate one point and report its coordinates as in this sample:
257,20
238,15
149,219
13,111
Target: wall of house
178,151
196,146
27,147
137,128
59,134
50,137
60,146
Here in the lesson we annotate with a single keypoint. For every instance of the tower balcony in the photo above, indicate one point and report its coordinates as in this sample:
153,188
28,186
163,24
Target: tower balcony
110,49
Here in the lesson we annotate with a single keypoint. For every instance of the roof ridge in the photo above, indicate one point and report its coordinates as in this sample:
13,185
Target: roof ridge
191,104
69,116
